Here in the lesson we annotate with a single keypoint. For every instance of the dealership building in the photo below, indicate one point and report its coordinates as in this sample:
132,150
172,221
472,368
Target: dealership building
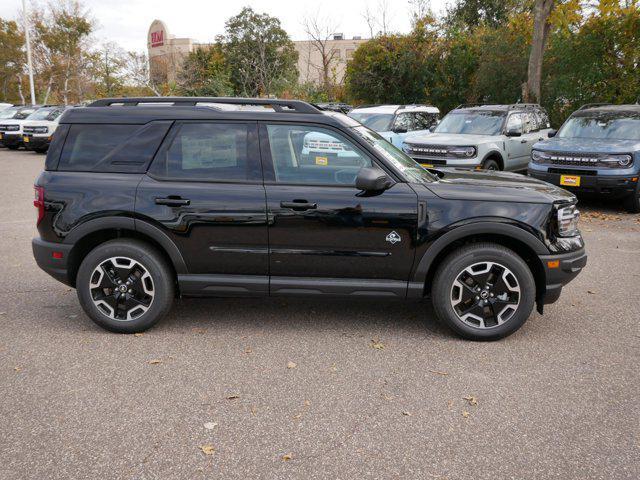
167,52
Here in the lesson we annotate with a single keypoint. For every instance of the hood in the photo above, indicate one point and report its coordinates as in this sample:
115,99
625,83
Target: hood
588,145
459,184
453,139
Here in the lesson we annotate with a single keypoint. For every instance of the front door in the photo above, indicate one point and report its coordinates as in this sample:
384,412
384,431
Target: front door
326,236
204,190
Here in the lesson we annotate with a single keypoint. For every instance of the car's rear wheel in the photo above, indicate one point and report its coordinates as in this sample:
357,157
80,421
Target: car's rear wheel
125,285
490,164
483,291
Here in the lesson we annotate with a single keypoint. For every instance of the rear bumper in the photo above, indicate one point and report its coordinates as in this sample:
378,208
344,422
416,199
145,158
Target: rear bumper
611,185
569,265
43,252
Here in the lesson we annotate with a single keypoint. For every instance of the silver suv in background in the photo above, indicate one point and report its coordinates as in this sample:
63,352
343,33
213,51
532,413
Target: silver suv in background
491,137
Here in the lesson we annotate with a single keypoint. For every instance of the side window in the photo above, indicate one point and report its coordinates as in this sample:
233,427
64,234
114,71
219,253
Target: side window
111,148
425,121
544,119
207,152
404,122
310,155
515,123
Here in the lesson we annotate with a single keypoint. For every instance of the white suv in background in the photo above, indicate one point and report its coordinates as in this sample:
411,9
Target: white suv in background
38,128
490,137
395,122
11,120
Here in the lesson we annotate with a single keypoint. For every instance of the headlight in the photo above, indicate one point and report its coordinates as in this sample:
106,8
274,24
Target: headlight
568,221
616,161
467,152
40,129
539,157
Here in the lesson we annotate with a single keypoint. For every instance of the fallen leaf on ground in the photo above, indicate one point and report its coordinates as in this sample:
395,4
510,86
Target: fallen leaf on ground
199,331
139,334
291,365
406,414
248,350
378,345
307,403
233,397
437,372
17,369
210,425
333,368
3,313
287,456
207,449
471,399
254,410
592,292
155,361
465,414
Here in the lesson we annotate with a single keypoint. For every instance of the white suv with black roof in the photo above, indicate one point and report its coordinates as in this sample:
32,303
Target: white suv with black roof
490,137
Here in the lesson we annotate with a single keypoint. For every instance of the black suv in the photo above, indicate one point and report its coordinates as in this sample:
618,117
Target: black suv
146,199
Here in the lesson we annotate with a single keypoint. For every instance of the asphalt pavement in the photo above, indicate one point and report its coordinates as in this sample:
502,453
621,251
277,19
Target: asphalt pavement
335,389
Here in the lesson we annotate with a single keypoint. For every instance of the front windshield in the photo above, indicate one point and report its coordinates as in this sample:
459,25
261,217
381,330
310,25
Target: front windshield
409,167
472,122
41,114
9,112
379,122
24,113
604,126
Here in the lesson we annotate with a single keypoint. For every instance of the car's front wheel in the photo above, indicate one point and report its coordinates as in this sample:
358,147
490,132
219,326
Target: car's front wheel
125,285
490,164
483,291
632,203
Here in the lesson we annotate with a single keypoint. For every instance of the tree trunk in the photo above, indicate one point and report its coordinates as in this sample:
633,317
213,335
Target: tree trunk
22,102
531,89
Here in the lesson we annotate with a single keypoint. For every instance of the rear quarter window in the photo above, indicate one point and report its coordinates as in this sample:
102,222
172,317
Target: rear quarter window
111,148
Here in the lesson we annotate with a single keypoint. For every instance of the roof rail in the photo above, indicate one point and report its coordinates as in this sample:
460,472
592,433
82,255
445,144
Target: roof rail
281,106
593,105
523,105
510,106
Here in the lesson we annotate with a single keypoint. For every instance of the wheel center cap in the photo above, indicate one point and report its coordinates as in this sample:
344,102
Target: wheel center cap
122,288
484,294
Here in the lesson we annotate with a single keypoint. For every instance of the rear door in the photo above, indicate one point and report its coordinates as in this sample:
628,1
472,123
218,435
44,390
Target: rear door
204,190
322,228
518,148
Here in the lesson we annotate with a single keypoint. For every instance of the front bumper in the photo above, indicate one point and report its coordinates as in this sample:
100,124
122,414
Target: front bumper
32,142
44,252
611,185
428,162
560,269
11,139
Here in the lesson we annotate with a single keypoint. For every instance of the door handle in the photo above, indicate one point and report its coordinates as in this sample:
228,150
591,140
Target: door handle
523,141
299,205
172,201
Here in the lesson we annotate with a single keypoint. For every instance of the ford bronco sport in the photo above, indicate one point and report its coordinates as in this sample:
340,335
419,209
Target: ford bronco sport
140,203
489,137
596,152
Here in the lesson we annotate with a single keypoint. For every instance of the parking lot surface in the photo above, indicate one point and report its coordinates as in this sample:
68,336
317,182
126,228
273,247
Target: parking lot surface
280,388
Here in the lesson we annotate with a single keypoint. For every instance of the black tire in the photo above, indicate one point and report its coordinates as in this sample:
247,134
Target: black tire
632,203
150,260
490,164
13,147
40,150
443,291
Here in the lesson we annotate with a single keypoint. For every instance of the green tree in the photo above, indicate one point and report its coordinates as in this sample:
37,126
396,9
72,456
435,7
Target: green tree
470,14
260,54
11,61
205,72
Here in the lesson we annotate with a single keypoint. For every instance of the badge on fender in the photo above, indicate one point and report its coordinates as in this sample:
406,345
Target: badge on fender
393,238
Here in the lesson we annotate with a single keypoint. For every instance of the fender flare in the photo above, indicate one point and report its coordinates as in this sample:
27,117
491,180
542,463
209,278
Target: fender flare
493,152
129,223
477,228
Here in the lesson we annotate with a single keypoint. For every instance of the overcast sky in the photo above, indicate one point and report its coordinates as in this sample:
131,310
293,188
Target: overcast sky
126,22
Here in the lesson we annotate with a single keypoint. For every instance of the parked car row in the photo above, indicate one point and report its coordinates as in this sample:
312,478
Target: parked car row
31,127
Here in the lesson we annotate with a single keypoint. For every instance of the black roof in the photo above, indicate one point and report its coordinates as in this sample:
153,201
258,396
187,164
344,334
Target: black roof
141,110
497,107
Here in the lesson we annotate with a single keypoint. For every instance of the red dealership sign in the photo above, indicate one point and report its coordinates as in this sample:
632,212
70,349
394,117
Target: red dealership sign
157,38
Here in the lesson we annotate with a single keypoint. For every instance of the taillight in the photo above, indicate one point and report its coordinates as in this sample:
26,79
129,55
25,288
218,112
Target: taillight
38,202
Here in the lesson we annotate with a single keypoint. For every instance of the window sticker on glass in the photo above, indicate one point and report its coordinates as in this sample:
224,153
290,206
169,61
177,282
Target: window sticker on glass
322,161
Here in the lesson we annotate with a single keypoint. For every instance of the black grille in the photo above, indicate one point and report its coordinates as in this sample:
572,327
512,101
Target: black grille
572,171
9,128
428,150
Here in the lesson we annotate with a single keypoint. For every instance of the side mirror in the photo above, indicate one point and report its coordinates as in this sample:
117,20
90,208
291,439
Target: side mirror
513,132
371,179
400,130
432,128
552,133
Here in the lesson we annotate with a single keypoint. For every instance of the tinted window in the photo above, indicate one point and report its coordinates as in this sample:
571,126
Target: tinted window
111,148
313,155
515,123
405,121
207,152
425,120
380,122
603,126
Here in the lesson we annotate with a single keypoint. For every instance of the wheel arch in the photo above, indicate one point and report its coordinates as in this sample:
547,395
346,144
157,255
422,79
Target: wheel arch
92,233
494,155
523,243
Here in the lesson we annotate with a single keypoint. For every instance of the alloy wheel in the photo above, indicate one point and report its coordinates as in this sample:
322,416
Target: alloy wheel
121,288
485,295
